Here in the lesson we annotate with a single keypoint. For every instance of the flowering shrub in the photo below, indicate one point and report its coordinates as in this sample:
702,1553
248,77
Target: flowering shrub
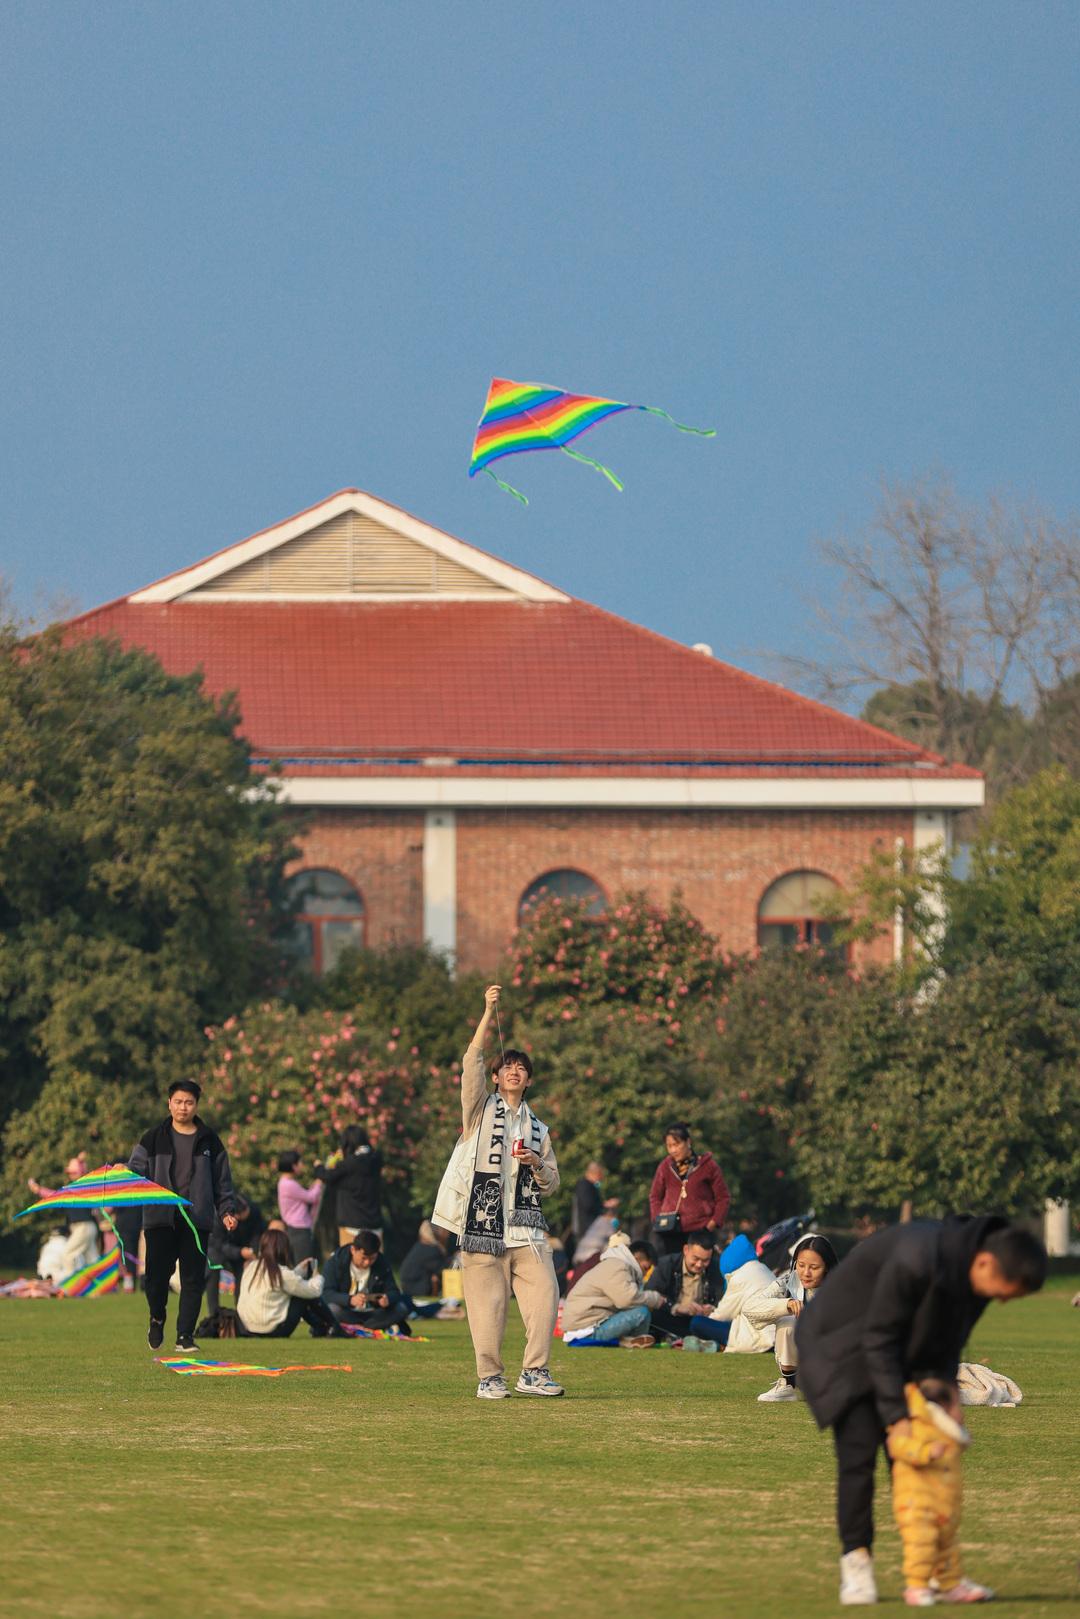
278,1078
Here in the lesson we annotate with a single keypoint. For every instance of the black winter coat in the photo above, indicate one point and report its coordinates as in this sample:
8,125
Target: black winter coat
357,1183
226,1248
667,1279
337,1286
898,1308
211,1189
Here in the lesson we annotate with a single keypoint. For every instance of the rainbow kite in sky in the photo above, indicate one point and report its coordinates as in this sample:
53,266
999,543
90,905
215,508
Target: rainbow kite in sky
102,1276
520,416
113,1186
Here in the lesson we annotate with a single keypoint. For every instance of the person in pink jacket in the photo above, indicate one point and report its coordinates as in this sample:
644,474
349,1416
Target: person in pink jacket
688,1192
299,1206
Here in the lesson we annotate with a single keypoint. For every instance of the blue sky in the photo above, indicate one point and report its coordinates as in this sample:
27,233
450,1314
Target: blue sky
258,252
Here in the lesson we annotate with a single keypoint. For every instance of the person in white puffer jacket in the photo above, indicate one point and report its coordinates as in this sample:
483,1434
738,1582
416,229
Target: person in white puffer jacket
812,1258
753,1302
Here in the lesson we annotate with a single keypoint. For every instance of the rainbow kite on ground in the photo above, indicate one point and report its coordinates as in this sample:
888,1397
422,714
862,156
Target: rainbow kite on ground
520,416
235,1368
102,1276
355,1331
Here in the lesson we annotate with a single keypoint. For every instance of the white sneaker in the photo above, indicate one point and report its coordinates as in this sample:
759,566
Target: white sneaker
857,1584
492,1388
539,1381
967,1591
781,1390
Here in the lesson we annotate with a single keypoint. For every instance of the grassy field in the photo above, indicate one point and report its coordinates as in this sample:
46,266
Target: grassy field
658,1485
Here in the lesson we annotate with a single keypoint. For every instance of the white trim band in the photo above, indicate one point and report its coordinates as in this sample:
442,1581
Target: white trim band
633,792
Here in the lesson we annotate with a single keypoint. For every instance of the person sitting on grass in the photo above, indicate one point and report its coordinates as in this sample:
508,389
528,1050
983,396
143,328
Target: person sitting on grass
645,1254
609,1305
423,1265
359,1286
273,1298
691,1287
812,1258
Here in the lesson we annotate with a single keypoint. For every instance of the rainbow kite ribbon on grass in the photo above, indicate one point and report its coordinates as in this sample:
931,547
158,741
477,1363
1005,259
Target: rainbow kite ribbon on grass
520,416
102,1276
186,1367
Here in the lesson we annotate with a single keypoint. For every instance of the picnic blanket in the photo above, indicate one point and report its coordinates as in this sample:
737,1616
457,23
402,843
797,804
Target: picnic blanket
378,1332
978,1385
29,1287
187,1366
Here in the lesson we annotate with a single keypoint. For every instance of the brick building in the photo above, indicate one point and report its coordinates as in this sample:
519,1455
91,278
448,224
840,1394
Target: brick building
462,736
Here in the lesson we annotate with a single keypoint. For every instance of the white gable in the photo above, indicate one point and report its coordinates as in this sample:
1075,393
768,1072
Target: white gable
351,547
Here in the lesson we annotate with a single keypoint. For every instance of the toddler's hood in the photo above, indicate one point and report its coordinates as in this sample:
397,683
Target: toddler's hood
924,1410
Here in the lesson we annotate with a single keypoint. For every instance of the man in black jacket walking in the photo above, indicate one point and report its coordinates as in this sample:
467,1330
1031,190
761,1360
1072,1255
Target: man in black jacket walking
186,1157
900,1307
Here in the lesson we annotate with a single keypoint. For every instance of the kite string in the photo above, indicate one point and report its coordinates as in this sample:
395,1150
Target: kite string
498,1025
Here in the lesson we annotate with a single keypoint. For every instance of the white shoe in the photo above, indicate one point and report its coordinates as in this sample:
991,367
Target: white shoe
781,1390
967,1591
492,1388
919,1596
858,1587
539,1381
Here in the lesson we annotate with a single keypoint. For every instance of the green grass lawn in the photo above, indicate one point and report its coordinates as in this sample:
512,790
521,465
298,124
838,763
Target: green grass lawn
657,1486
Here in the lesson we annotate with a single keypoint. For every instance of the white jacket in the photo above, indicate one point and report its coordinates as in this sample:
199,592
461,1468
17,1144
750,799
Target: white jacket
261,1307
754,1301
452,1199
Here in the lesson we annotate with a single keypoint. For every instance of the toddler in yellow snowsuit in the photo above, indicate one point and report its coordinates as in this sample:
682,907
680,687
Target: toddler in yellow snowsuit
927,1487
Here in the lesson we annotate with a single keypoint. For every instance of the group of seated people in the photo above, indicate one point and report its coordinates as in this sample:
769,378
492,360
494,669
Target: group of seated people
355,1288
698,1296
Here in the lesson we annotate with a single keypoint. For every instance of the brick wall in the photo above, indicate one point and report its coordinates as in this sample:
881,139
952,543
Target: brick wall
381,853
722,861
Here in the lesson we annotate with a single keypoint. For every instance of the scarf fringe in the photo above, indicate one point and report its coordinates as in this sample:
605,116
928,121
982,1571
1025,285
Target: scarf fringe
483,1245
529,1217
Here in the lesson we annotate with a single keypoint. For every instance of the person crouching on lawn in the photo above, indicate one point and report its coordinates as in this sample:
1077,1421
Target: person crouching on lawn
610,1303
359,1286
490,1196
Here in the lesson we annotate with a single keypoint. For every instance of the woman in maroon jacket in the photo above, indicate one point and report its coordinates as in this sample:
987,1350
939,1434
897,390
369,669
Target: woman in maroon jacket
689,1186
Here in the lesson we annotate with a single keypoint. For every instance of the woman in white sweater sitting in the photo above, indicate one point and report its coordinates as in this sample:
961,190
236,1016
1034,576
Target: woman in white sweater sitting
812,1258
273,1297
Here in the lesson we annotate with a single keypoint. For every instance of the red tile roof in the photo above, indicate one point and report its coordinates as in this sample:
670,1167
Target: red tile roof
522,687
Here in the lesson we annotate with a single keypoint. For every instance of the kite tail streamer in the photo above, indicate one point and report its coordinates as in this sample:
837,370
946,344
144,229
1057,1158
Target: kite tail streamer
198,1240
119,1238
576,455
701,432
508,487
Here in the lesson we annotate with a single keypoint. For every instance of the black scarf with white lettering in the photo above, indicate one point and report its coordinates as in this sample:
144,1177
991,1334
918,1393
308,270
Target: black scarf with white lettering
485,1226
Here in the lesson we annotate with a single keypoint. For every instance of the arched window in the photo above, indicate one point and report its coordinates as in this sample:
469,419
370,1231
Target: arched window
329,918
790,912
562,885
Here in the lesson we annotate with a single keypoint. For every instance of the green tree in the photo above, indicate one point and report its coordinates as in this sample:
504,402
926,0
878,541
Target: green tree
141,886
1021,898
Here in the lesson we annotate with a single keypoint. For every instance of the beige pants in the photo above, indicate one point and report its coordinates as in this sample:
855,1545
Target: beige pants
488,1281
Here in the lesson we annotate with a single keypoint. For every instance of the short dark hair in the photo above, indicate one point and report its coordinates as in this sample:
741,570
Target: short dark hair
699,1239
937,1390
190,1085
366,1242
287,1161
677,1132
1020,1255
510,1055
645,1248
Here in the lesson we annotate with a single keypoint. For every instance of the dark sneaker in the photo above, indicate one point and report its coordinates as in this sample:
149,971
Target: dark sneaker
156,1336
186,1345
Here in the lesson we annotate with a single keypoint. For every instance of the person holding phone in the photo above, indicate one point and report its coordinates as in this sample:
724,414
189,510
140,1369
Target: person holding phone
359,1286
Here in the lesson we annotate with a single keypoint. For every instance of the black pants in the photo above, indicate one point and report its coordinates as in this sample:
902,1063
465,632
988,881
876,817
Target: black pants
312,1311
164,1246
857,1437
395,1316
